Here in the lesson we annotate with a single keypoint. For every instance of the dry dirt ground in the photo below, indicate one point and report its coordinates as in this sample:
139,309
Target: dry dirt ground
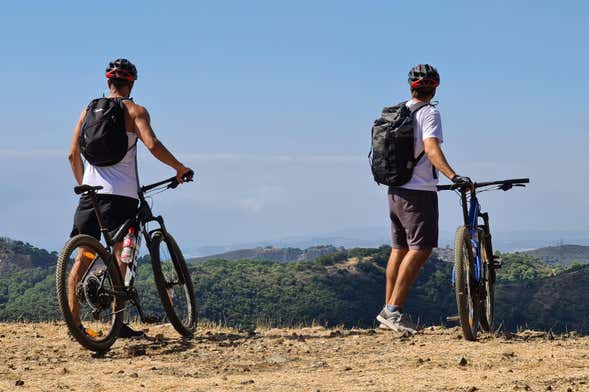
41,357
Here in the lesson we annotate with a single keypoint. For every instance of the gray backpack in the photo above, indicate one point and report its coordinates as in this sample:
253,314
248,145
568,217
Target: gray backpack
392,154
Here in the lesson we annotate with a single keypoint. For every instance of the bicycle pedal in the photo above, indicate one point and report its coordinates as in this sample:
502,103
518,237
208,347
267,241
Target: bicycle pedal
453,319
152,319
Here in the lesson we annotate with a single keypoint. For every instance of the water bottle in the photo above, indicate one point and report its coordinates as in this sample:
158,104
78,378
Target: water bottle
128,246
132,264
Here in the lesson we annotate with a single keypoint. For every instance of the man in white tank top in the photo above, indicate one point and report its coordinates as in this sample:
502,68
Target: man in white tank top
118,199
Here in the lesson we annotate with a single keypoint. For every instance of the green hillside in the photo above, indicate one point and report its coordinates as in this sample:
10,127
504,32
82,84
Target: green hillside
557,303
344,288
22,255
518,267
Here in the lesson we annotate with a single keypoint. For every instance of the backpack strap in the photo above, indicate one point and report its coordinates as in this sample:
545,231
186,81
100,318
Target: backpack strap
418,107
414,111
119,101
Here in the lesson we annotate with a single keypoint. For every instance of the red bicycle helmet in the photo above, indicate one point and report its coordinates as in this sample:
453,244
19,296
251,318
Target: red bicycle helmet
121,69
424,75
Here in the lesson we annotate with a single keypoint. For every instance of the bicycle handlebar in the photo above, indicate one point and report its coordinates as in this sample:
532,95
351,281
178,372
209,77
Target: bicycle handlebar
505,184
172,182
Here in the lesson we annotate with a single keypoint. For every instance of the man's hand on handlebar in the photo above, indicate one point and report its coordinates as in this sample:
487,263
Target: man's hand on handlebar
461,181
184,174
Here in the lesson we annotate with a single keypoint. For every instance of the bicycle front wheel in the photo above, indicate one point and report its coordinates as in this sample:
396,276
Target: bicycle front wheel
86,281
488,300
173,283
466,299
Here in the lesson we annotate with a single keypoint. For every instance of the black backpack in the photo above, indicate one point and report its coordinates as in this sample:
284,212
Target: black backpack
103,138
392,154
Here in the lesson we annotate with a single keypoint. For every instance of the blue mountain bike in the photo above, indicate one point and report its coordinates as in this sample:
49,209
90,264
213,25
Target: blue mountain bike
473,274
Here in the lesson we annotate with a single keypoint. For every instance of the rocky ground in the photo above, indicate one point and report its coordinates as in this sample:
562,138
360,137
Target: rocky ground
41,357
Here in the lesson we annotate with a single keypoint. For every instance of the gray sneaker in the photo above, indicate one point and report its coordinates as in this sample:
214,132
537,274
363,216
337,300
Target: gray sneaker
397,321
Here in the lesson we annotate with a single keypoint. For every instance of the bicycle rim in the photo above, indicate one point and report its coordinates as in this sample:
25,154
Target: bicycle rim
85,282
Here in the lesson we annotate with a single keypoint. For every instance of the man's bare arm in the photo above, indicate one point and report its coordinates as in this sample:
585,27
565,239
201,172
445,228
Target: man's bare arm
74,154
437,158
157,149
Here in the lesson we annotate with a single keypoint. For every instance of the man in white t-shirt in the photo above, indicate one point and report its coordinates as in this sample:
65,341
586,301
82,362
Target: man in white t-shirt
413,206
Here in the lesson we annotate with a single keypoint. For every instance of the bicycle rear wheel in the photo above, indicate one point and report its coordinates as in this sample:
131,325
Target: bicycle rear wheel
488,299
86,279
465,284
173,283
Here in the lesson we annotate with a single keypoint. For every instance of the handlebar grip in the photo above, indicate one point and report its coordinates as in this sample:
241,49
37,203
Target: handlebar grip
188,176
447,187
520,180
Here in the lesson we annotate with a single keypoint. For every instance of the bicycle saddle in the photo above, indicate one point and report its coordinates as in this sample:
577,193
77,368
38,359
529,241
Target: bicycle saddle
86,188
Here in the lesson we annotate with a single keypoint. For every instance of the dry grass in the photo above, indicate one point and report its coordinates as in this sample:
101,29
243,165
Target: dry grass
302,359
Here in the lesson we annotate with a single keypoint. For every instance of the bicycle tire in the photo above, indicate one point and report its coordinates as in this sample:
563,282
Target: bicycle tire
187,325
61,276
488,300
465,284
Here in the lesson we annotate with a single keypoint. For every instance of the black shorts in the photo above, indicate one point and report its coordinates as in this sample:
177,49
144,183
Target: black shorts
414,218
115,210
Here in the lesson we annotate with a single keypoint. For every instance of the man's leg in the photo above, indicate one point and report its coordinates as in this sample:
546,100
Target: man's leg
79,268
118,249
392,315
399,249
416,214
126,331
408,271
395,260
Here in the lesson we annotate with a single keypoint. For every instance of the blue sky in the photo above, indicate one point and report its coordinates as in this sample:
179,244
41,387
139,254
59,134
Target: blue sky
271,103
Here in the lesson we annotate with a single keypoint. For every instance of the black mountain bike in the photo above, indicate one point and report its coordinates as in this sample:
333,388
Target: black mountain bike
100,293
473,275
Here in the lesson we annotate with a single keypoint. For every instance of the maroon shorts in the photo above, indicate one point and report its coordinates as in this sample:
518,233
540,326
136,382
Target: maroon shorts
414,218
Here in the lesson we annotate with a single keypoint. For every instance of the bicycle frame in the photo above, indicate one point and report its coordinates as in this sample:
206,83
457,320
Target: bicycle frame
471,211
143,216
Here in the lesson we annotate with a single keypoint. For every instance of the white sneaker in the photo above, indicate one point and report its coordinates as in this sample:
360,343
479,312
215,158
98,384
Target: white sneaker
397,321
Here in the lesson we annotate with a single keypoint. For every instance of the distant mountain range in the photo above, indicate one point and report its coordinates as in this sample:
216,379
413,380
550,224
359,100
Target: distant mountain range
562,254
269,253
373,237
283,255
